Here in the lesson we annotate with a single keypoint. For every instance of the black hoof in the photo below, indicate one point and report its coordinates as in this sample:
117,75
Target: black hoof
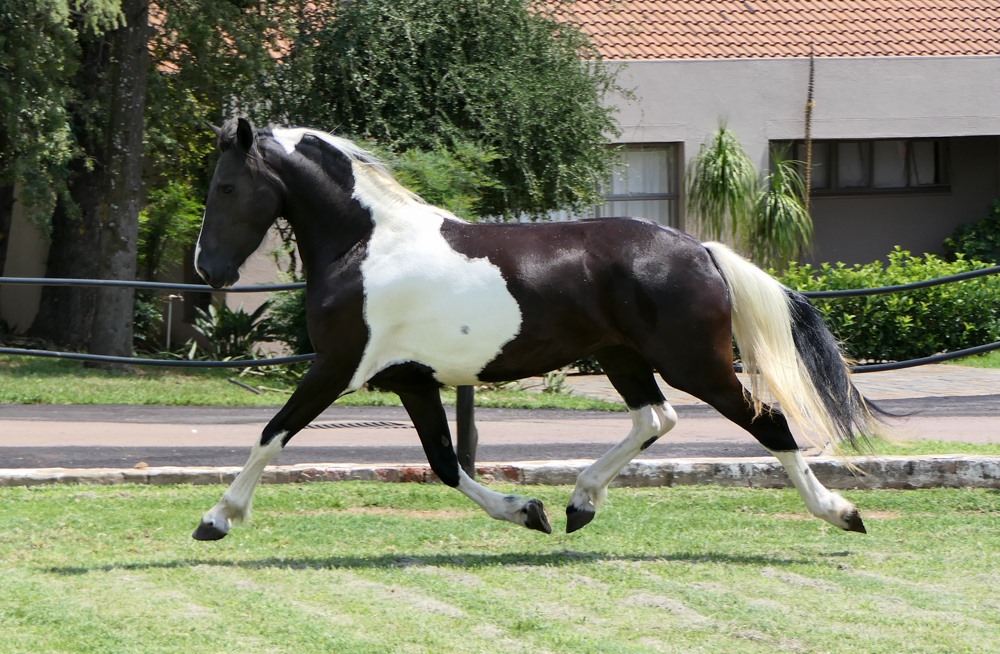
854,522
208,531
536,518
577,518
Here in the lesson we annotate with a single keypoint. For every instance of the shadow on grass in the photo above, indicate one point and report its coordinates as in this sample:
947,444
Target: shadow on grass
467,561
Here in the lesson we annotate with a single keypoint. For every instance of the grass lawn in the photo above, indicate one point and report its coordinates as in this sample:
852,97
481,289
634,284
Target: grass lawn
48,381
377,568
988,360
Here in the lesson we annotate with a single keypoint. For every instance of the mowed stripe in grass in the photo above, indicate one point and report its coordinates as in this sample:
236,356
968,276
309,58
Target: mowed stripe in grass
357,567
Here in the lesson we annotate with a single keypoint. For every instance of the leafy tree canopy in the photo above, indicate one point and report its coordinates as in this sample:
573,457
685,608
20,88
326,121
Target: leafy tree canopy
501,74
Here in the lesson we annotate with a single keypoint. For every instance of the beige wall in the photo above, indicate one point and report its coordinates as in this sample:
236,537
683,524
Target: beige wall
861,98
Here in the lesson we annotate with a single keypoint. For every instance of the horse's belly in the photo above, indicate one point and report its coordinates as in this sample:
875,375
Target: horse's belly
436,307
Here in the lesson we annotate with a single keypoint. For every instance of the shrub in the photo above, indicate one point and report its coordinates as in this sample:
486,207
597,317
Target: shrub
232,334
979,241
288,321
912,324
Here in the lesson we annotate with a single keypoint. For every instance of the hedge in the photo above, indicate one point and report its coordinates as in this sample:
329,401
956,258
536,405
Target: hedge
912,324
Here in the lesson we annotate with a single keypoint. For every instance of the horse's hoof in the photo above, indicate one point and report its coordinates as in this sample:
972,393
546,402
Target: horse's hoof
854,523
208,531
577,518
535,517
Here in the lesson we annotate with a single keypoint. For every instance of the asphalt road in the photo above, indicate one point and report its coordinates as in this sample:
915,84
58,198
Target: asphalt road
505,434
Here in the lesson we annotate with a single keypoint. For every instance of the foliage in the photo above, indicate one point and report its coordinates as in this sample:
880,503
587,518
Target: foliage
767,219
232,333
213,58
434,75
38,45
167,227
288,321
908,325
978,241
455,179
721,185
781,228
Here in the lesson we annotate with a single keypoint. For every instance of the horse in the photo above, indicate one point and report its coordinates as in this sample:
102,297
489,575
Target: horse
405,296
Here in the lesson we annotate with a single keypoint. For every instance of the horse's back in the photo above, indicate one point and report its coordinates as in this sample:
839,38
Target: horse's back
588,285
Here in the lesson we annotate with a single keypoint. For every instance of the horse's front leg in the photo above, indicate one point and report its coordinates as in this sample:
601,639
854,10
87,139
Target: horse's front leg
428,416
318,389
648,424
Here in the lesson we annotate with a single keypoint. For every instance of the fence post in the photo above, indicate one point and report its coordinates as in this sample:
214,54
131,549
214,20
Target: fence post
468,437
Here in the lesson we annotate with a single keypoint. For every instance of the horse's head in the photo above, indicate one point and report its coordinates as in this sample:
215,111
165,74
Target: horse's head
244,200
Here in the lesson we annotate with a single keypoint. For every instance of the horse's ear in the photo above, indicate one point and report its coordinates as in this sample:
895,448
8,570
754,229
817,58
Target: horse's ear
244,134
215,129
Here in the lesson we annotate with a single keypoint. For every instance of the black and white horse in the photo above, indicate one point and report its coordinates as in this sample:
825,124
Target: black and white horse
404,295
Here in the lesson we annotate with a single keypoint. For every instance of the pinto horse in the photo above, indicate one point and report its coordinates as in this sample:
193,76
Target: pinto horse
406,296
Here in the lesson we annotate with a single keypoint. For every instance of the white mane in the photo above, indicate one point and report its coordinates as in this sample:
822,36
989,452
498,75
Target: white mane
366,163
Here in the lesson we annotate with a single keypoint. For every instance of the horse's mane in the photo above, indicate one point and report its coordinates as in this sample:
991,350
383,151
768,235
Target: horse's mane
377,171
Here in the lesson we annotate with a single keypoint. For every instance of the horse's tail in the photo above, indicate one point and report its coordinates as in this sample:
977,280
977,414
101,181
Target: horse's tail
790,354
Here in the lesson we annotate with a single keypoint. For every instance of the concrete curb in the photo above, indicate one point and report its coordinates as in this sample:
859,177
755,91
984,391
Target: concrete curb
899,472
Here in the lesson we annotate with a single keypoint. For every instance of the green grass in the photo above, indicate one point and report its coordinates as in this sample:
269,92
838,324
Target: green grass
376,568
924,447
48,381
988,360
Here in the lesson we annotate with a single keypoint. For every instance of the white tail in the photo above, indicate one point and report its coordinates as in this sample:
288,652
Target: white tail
764,313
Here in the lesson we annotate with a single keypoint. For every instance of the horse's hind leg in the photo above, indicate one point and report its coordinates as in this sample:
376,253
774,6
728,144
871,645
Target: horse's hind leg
724,392
425,409
651,418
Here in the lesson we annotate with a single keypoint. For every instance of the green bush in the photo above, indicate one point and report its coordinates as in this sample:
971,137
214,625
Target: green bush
287,321
232,333
979,241
912,324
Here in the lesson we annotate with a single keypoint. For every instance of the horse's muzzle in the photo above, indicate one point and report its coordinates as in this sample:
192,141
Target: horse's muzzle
218,279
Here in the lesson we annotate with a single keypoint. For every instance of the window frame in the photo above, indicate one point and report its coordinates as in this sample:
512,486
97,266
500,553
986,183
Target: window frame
942,163
673,180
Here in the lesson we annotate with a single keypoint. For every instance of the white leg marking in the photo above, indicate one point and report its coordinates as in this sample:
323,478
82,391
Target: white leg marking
497,505
648,423
235,503
820,501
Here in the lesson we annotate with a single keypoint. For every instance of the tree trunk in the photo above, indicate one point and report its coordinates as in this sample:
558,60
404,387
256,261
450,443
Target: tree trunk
65,314
118,227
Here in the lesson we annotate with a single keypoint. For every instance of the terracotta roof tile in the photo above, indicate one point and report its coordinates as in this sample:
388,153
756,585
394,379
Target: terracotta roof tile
733,29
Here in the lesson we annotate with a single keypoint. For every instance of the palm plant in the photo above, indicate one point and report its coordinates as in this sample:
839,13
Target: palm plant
768,220
781,229
721,186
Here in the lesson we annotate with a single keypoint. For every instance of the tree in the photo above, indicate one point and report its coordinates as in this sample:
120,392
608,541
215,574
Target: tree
39,55
205,53
118,226
504,75
66,314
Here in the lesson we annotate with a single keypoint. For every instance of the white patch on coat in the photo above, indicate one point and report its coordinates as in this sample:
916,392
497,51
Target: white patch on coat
424,302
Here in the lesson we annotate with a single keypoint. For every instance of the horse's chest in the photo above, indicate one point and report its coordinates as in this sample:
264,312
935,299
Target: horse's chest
427,303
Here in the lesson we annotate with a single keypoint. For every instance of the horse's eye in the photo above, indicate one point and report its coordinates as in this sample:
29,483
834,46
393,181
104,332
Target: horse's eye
227,188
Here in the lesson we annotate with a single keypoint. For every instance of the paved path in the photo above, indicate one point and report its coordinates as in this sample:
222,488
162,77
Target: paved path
944,403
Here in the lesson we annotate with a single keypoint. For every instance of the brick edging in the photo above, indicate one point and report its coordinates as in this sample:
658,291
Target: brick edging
902,472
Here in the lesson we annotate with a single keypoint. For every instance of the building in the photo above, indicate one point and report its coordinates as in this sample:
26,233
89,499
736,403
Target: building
906,116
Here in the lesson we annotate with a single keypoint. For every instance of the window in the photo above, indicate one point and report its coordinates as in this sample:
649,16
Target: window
876,166
644,184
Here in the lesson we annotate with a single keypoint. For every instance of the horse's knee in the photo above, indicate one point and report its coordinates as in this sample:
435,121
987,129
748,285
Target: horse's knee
445,466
